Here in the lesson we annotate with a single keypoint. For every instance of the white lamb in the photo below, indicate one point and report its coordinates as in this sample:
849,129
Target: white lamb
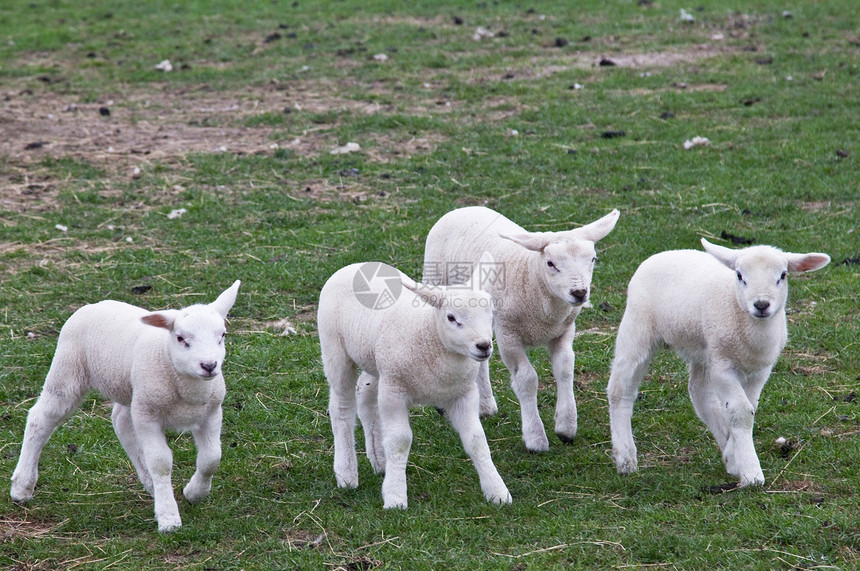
724,313
161,370
424,348
542,280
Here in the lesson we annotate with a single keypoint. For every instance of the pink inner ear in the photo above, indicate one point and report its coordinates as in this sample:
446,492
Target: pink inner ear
156,320
809,262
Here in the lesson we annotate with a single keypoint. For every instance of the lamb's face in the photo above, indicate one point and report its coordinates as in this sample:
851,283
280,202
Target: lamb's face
464,320
568,266
197,343
761,281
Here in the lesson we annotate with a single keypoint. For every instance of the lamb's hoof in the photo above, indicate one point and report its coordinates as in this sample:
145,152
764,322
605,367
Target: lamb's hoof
564,438
396,504
538,444
625,467
751,481
169,525
194,496
500,499
489,409
20,497
20,501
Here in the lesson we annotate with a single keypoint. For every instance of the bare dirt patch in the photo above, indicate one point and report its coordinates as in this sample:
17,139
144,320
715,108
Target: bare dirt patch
127,133
135,127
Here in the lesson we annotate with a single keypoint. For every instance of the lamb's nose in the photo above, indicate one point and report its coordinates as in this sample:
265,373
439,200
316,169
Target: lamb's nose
579,295
761,305
484,346
209,366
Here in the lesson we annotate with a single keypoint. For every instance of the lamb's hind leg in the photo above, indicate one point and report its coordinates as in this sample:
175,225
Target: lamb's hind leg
62,394
633,353
368,413
341,374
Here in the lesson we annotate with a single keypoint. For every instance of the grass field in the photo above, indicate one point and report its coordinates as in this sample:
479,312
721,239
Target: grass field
552,113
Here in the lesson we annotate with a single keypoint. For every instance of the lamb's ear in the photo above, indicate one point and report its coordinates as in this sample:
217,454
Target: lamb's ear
163,319
535,241
806,262
725,255
598,229
486,273
226,300
431,295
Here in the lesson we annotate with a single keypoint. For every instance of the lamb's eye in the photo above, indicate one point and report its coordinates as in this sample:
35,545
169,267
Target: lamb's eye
783,275
740,277
549,264
594,260
181,340
451,318
223,336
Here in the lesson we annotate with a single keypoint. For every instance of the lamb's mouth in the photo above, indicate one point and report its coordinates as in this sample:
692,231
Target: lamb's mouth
483,356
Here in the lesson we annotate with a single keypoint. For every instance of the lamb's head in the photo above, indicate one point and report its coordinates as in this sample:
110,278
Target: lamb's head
463,314
197,334
567,258
761,284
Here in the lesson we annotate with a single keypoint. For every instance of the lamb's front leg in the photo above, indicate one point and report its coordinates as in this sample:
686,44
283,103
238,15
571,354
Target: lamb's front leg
463,414
561,354
524,382
738,412
208,440
397,441
706,403
124,428
159,464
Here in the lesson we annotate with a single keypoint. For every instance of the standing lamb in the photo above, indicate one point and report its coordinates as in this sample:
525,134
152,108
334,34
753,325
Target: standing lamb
722,311
161,370
417,347
542,281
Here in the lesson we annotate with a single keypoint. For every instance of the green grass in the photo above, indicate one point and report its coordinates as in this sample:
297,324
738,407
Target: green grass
436,123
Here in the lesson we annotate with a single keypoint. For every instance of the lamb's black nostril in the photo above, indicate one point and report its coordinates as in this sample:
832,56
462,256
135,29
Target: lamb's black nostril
483,346
209,367
761,305
579,294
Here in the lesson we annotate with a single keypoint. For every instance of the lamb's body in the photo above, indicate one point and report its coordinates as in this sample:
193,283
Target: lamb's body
723,312
408,357
683,299
535,303
87,354
161,370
